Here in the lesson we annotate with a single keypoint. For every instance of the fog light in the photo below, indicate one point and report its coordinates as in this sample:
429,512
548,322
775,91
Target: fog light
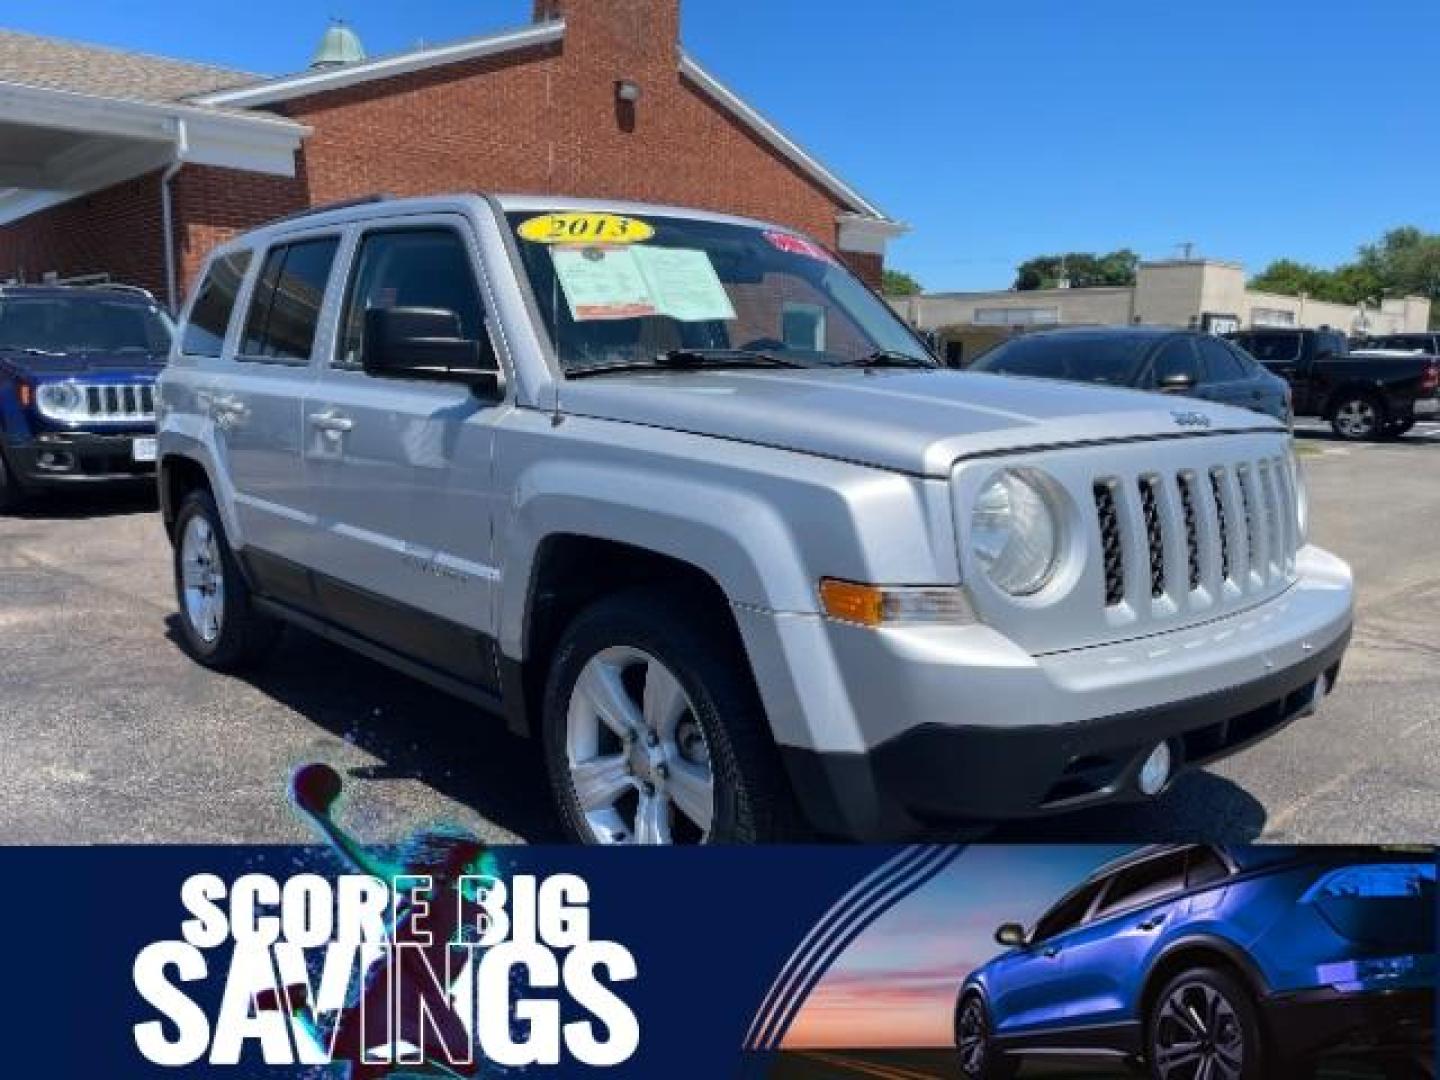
1156,771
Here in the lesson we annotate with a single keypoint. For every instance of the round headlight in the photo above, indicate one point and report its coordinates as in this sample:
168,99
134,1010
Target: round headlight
1015,533
58,397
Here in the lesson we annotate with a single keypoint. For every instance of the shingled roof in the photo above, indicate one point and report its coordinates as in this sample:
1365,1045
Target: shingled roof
94,69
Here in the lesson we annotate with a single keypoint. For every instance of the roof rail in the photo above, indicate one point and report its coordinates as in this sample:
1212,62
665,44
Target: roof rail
120,286
342,204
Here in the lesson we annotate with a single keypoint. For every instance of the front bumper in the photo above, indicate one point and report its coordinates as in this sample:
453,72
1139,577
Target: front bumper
56,459
884,733
1314,1022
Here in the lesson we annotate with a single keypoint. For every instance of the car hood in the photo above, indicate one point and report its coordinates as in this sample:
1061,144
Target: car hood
919,422
80,365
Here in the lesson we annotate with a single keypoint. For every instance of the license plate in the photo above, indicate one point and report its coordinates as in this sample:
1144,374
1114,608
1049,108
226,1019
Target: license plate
143,449
1427,407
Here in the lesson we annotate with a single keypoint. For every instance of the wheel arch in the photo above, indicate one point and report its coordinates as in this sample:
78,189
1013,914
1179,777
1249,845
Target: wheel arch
177,475
568,572
1193,951
1369,388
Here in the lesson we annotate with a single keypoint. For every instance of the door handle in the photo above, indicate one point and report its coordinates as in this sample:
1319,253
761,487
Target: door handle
1050,952
1151,924
332,423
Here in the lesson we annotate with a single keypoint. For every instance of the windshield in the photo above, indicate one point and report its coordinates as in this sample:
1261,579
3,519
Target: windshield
1111,359
79,324
619,291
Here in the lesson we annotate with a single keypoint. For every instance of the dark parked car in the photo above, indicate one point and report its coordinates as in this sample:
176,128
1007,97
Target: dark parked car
1146,358
77,398
1363,395
1210,963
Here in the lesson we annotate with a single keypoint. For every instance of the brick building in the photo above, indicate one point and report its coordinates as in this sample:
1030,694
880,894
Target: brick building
111,160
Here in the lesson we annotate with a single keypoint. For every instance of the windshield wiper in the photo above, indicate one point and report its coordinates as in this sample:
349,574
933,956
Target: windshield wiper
690,360
887,358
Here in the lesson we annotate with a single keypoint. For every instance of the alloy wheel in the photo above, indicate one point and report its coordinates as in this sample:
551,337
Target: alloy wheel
638,759
1198,1035
202,579
970,1036
1356,418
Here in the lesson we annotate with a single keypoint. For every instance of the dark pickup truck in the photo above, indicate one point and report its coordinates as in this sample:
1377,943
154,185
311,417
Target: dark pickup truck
1364,395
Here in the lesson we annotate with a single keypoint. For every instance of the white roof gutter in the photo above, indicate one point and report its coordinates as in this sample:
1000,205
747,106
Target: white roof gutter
315,82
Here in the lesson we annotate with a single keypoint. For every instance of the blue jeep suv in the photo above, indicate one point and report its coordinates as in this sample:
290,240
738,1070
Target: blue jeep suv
77,387
1209,963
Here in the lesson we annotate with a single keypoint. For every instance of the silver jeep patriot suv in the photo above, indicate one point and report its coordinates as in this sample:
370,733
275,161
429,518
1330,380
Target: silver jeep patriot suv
675,492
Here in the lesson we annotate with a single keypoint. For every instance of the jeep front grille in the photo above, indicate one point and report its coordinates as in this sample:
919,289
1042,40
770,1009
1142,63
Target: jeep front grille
130,401
1110,543
119,403
1238,531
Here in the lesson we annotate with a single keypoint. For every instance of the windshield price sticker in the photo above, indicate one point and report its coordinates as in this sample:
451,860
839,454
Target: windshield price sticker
585,228
619,282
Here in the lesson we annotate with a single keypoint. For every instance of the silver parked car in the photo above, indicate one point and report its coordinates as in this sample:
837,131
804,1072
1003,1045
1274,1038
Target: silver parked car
675,492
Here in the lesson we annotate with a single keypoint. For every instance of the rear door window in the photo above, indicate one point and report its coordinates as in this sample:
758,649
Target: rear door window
1273,348
1204,867
214,302
1144,883
285,307
1220,363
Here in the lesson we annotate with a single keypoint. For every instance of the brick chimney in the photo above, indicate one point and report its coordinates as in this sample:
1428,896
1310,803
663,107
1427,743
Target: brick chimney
632,39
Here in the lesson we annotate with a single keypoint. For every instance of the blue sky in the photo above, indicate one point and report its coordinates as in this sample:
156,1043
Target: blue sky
1300,128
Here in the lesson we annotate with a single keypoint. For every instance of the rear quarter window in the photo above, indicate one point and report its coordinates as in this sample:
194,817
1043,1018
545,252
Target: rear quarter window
214,303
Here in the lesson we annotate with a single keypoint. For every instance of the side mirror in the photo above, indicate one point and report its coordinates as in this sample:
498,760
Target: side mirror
426,343
1177,382
1012,935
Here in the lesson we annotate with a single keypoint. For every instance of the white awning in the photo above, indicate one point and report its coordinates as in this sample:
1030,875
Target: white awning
57,144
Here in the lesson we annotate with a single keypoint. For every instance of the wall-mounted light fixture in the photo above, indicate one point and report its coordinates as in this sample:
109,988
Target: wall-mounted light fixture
627,91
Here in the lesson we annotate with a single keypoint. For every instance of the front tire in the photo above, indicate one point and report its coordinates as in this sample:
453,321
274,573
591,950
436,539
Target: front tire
653,731
978,1057
1358,417
10,494
1204,1025
219,625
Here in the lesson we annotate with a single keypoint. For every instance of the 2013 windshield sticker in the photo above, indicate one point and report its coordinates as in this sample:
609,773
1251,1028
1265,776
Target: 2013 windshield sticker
576,227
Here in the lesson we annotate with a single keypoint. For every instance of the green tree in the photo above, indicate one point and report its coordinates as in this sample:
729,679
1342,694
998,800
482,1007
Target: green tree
1405,262
899,283
1081,269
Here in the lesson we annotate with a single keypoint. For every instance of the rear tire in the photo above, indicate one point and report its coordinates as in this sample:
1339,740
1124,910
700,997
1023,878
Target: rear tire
978,1057
1205,1023
665,735
219,625
1357,417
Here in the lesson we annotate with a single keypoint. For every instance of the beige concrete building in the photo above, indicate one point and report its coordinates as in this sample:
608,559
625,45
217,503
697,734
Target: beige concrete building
1204,293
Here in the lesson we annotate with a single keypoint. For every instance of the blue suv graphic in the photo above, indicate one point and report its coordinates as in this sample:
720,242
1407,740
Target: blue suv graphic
77,387
1208,963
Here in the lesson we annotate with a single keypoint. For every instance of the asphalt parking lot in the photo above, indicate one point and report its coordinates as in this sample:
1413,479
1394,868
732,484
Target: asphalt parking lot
113,736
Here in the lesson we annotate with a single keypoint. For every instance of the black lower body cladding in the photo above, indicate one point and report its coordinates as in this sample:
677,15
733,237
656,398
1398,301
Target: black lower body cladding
944,773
